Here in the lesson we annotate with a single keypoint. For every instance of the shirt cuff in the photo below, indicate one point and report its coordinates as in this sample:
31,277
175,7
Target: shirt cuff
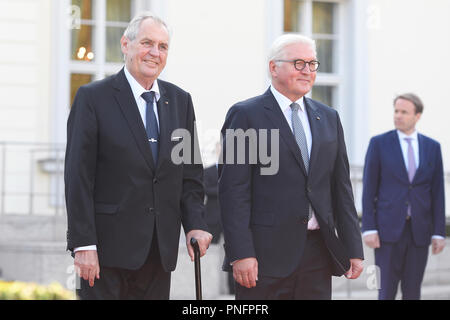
366,233
437,237
86,248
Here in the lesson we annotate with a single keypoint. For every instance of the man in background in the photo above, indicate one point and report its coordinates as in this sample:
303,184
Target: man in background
403,201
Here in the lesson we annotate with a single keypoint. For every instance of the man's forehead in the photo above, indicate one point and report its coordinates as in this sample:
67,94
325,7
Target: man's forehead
153,30
153,38
404,105
300,51
403,102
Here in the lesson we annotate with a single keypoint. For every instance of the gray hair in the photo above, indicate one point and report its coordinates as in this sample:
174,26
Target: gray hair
133,27
413,98
277,49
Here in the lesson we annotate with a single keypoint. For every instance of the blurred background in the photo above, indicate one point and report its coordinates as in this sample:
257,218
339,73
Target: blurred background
369,50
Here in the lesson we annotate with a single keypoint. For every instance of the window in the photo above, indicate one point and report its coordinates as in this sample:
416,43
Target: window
87,47
95,39
320,21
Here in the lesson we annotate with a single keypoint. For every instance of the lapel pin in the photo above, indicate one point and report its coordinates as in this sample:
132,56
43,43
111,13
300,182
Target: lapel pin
166,102
318,118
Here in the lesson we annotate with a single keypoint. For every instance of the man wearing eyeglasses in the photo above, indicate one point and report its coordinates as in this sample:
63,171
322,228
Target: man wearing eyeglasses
287,233
403,201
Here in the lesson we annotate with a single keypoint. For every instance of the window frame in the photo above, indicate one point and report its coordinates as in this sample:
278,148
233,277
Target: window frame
99,67
351,84
333,79
64,66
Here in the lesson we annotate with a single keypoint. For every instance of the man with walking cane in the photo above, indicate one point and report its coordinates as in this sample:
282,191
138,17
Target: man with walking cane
126,199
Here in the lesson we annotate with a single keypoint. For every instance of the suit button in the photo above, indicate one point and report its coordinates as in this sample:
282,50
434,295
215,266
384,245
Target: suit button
155,181
151,210
308,189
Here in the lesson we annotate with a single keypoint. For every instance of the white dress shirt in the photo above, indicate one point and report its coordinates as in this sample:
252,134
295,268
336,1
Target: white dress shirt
404,146
137,90
285,105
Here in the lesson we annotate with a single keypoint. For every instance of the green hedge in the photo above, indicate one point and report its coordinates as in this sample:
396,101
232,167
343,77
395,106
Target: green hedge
16,290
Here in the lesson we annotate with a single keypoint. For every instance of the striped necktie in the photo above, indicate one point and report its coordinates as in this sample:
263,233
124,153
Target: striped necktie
300,138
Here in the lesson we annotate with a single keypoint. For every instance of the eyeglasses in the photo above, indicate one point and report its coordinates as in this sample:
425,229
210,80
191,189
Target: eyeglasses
300,64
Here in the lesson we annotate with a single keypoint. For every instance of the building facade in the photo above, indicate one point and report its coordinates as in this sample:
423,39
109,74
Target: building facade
369,50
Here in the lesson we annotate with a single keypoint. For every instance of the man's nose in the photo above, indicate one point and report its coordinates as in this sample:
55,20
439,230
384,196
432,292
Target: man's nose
154,50
306,69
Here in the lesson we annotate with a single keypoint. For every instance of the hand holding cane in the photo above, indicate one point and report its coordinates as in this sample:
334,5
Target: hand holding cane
198,280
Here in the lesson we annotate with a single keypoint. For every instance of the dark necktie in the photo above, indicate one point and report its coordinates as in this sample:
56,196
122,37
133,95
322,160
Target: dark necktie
151,124
300,137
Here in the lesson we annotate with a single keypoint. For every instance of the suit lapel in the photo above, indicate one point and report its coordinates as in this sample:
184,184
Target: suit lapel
314,117
422,156
398,156
276,116
165,114
127,103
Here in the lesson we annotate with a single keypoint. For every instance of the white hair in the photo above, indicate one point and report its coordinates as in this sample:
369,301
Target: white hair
277,49
133,27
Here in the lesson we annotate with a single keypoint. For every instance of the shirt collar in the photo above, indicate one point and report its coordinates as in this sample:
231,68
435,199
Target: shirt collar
284,102
137,89
412,136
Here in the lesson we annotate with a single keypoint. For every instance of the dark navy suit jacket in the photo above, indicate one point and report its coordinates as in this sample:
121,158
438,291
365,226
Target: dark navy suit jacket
116,197
266,216
387,191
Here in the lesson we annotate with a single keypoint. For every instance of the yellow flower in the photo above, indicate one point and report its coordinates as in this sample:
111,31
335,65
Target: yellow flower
17,290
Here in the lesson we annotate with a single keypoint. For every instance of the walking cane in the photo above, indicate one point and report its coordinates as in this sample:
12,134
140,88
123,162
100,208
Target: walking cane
198,275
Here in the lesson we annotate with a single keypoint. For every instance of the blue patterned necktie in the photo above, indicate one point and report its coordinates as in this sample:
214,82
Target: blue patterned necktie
151,124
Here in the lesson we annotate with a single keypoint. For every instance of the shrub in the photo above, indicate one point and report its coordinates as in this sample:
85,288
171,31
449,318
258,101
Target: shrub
16,290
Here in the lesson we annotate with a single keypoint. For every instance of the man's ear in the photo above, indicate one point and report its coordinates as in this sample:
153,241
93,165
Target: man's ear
418,115
272,67
124,44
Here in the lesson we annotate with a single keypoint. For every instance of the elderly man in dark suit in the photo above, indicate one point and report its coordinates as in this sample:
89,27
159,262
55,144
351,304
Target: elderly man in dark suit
287,231
126,198
403,201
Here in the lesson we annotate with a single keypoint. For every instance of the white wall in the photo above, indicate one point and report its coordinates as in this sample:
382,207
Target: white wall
409,35
25,58
217,54
24,70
